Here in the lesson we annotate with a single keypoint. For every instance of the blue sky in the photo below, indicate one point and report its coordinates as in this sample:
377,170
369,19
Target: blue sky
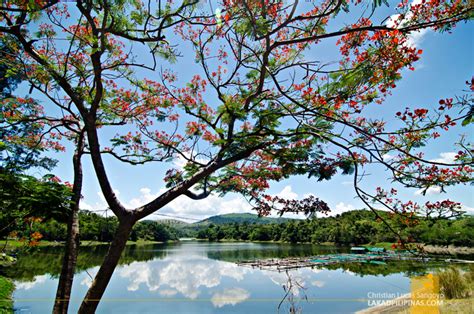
445,65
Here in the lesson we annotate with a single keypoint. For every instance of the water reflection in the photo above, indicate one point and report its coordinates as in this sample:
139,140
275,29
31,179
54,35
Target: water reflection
199,277
269,250
229,296
186,275
47,260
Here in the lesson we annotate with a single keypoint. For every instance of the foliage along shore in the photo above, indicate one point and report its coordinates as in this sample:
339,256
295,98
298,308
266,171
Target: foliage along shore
357,227
6,292
430,249
14,244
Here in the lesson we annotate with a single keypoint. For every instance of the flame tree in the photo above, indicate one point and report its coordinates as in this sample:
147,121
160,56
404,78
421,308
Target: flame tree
258,108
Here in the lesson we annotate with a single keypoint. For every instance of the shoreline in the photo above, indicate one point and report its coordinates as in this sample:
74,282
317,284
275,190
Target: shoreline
14,244
429,248
448,250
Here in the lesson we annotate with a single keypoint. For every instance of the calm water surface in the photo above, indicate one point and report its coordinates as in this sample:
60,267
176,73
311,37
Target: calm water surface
201,277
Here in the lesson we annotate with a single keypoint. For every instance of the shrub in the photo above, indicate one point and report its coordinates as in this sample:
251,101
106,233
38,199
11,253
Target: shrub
453,284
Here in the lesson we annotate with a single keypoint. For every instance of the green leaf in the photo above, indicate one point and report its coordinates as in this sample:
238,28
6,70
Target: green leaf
469,118
137,17
467,121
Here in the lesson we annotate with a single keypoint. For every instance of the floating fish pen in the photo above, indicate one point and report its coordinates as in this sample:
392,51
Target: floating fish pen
282,264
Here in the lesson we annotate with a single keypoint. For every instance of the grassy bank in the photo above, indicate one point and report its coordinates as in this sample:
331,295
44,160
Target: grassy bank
16,244
449,250
457,306
6,291
12,244
432,249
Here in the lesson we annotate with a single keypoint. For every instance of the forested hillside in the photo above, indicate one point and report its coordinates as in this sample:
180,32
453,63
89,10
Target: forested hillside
241,218
353,227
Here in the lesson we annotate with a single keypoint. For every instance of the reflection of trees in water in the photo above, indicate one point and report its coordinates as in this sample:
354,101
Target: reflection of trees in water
407,268
175,270
262,251
47,260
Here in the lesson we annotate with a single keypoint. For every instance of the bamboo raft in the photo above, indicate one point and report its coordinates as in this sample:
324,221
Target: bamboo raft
324,260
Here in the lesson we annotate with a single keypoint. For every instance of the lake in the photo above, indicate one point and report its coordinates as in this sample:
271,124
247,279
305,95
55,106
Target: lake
201,277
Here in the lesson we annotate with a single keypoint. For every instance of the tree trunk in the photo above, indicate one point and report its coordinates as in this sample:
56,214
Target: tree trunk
66,277
101,280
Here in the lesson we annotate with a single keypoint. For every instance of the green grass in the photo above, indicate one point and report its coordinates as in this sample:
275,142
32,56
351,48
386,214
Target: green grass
455,285
457,306
6,290
12,244
17,244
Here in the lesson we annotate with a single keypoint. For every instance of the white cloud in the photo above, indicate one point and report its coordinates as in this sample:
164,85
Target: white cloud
191,210
349,273
88,275
87,281
180,161
467,209
98,205
183,207
318,283
37,280
145,197
287,193
85,205
168,292
340,208
415,37
387,157
447,158
229,297
432,190
212,205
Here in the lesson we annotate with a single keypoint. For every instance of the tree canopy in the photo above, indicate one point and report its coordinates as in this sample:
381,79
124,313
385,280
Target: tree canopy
259,109
27,200
263,112
349,228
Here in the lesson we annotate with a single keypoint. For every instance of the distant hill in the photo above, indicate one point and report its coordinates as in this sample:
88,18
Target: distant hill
240,219
173,222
